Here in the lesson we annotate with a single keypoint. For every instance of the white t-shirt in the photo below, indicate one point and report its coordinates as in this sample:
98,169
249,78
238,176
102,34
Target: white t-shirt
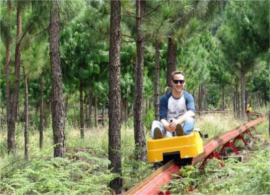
176,108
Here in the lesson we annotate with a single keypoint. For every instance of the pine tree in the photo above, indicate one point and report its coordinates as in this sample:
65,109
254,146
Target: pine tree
138,99
57,106
115,96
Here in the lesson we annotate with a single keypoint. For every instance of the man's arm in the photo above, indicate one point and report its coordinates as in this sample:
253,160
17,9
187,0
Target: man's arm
163,109
166,125
184,117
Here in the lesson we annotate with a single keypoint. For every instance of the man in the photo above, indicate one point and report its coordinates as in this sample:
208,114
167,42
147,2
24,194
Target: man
176,111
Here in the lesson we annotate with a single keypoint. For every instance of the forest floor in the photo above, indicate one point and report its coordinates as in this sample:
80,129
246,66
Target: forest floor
85,170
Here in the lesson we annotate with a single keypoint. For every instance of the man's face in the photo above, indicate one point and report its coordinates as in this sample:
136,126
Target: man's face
178,83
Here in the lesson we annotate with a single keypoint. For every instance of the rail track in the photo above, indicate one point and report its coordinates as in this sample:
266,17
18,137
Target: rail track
153,183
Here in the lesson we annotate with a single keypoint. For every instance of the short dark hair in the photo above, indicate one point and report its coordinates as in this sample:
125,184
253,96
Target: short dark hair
176,72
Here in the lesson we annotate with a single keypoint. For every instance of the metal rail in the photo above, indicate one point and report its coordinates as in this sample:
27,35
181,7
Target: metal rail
153,183
220,140
212,111
162,176
255,114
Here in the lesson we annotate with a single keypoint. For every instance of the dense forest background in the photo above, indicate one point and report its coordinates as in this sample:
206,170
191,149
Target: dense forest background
88,64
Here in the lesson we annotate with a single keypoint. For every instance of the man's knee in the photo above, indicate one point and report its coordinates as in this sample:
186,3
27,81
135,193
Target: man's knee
190,121
189,125
156,125
155,122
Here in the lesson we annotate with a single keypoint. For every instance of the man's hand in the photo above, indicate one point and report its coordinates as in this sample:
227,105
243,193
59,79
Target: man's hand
172,125
167,125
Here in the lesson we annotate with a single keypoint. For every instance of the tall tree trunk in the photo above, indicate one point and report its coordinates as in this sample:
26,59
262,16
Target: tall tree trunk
206,101
90,107
17,65
146,106
200,97
223,102
86,107
237,98
96,111
103,113
234,104
37,108
243,89
261,101
11,125
115,96
41,114
156,80
47,112
269,121
57,104
246,99
238,105
265,95
26,115
172,59
10,134
81,111
3,119
140,151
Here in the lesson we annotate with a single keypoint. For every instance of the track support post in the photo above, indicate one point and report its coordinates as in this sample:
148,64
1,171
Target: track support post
254,129
248,132
213,154
164,193
229,144
242,138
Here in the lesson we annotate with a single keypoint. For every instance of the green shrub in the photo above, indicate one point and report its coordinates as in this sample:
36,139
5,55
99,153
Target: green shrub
252,177
80,174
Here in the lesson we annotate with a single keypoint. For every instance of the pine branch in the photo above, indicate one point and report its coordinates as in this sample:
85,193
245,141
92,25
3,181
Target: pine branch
44,30
128,36
27,29
128,41
130,14
152,11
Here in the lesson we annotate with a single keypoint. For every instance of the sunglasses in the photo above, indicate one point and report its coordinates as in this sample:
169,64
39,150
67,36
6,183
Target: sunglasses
178,81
